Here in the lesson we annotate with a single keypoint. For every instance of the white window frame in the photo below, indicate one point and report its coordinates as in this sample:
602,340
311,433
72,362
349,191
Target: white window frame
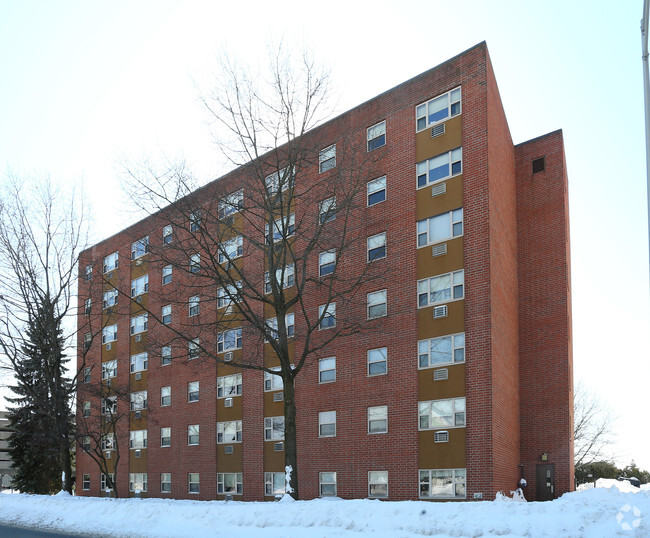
167,274
88,304
102,481
328,312
327,210
193,434
109,334
327,479
108,441
372,353
110,298
374,244
457,419
195,221
456,289
452,97
195,263
376,132
87,378
377,299
326,418
165,355
138,400
167,234
377,478
229,386
326,262
458,478
137,439
274,428
456,345
453,220
285,274
139,248
376,186
231,203
109,405
230,428
224,336
165,482
165,437
194,306
193,389
85,483
139,362
137,479
139,324
231,249
327,368
140,286
284,176
454,163
229,295
193,483
165,396
283,229
89,273
193,349
111,262
272,327
85,409
166,314
272,483
327,159
109,369
273,382
221,483
376,415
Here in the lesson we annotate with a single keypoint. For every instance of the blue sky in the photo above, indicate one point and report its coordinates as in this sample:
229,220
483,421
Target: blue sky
86,84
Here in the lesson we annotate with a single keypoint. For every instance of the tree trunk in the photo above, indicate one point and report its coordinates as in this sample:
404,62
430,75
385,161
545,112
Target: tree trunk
66,466
290,437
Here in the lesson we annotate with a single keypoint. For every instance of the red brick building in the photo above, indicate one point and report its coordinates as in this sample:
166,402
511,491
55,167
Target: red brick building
463,388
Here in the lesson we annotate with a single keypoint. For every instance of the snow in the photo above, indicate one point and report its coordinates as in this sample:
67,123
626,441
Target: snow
598,512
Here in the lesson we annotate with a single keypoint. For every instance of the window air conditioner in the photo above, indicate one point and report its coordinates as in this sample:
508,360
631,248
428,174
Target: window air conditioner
138,376
439,250
438,189
227,402
229,310
138,414
278,396
441,437
227,357
437,130
138,337
440,311
138,453
278,447
108,346
441,374
108,454
229,449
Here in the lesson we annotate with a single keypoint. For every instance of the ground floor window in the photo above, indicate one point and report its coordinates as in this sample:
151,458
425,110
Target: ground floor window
327,484
85,485
165,482
229,483
377,484
137,481
104,482
274,484
443,483
193,479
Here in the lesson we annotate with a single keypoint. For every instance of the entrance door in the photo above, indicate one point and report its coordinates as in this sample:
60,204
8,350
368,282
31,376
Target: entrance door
545,482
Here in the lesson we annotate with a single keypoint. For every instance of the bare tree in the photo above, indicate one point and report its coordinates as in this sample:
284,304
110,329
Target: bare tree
41,234
264,241
592,427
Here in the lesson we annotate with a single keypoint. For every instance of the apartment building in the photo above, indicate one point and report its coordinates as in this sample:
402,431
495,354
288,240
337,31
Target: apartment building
459,380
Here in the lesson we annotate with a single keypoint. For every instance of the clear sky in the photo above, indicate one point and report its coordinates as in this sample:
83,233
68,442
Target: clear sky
85,84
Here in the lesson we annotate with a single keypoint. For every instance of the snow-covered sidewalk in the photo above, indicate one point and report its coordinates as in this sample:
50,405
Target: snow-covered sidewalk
594,513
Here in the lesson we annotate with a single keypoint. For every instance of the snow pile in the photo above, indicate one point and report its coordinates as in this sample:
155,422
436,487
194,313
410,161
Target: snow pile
621,485
596,512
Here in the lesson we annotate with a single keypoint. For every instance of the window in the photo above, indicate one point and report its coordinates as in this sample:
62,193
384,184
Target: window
139,362
327,210
442,483
193,349
138,439
139,324
194,306
376,135
274,429
327,370
229,386
377,304
88,303
165,396
377,361
377,484
140,248
327,484
229,483
166,314
438,109
440,228
195,221
165,437
88,338
137,481
139,286
109,334
195,263
538,165
110,298
86,482
87,374
165,482
89,273
110,262
167,274
104,484
229,340
274,484
193,435
166,355
285,274
109,369
231,249
86,409
378,419
85,443
326,262
327,316
228,295
193,391
443,350
440,167
193,482
377,247
437,414
229,432
109,405
138,400
327,424
108,441
327,158
441,288
283,228
272,326
376,191
279,181
273,382
231,203
168,235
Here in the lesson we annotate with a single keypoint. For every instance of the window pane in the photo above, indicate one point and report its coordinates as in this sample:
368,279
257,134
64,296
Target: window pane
440,350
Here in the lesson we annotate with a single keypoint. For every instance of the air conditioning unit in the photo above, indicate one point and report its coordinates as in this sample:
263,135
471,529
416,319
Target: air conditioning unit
108,346
108,454
138,337
278,447
138,453
278,396
440,311
227,402
138,299
138,376
438,189
138,414
227,357
441,374
441,437
437,130
228,449
138,261
229,310
439,250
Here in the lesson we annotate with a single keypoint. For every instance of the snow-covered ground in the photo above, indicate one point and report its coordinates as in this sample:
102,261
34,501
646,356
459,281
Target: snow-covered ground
599,512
